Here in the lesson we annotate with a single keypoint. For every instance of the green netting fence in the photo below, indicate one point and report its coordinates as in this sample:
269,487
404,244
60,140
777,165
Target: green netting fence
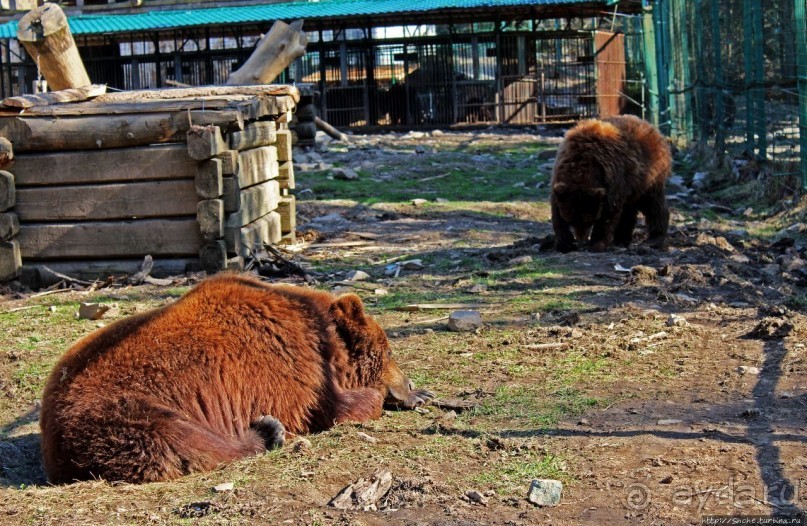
731,74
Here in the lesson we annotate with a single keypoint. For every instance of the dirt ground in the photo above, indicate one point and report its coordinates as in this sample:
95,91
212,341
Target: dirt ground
658,386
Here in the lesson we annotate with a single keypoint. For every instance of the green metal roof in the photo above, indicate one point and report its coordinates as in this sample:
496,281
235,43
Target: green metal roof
111,23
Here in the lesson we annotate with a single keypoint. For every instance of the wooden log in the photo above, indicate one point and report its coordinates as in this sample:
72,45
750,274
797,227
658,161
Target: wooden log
248,239
210,214
255,135
136,200
283,144
6,153
286,175
282,45
287,208
257,165
108,239
253,90
10,260
205,142
35,276
330,130
255,202
231,195
156,162
30,134
8,192
55,97
9,226
46,36
229,162
208,179
213,256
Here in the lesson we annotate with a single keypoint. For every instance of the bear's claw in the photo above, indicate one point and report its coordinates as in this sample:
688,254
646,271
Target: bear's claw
419,397
271,430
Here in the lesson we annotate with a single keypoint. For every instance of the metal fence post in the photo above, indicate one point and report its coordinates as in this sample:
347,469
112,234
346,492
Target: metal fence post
801,61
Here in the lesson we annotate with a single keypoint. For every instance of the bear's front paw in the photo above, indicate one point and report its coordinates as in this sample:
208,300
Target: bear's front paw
418,397
271,431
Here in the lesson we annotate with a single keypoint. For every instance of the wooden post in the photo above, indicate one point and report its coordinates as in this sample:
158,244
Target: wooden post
278,48
6,153
46,36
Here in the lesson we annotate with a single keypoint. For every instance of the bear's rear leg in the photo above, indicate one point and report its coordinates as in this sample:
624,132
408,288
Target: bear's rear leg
657,217
271,430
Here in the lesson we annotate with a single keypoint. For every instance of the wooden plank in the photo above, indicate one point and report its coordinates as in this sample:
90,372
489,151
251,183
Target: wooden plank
56,97
156,162
257,165
203,91
243,241
254,135
35,276
205,142
231,195
137,200
283,144
9,226
34,134
108,239
229,162
8,191
287,208
285,176
210,214
213,256
208,179
255,202
10,260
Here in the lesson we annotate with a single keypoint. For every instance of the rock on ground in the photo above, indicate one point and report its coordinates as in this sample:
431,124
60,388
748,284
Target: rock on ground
545,492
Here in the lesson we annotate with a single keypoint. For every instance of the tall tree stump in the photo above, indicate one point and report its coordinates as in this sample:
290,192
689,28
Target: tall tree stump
278,48
47,38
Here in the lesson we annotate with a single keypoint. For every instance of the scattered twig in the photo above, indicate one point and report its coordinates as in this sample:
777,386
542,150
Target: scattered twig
49,292
437,306
341,244
17,309
356,285
655,336
430,320
554,345
432,178
290,266
66,278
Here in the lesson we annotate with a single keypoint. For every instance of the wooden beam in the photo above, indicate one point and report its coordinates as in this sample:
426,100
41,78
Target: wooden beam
255,202
244,240
45,34
229,162
231,194
213,256
6,153
202,91
283,144
287,208
29,134
257,165
208,179
282,45
285,177
210,214
108,239
10,260
255,134
55,97
135,200
8,192
35,276
205,142
156,162
9,226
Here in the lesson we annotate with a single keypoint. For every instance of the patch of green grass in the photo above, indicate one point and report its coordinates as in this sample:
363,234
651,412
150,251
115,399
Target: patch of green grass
514,474
530,406
30,377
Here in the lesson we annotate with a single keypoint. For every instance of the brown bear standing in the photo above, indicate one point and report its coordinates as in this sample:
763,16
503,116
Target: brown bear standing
605,173
220,374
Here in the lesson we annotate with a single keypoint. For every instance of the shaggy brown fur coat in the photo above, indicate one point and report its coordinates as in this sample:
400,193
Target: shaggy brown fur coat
205,380
607,171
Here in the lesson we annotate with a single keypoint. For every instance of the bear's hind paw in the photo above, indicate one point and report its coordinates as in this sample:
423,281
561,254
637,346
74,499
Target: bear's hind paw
271,430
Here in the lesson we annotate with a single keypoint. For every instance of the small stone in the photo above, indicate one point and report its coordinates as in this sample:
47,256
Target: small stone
441,200
306,194
345,174
489,493
221,488
300,445
666,480
412,264
476,497
583,422
521,260
699,179
478,289
420,150
52,308
357,275
367,438
437,133
545,155
676,321
547,167
669,422
381,292
464,321
545,492
745,369
92,311
419,201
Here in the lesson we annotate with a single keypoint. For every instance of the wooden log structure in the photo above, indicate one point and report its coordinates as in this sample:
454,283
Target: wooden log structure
91,193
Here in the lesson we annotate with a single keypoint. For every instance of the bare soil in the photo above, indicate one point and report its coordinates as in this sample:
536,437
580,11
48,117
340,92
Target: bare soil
674,388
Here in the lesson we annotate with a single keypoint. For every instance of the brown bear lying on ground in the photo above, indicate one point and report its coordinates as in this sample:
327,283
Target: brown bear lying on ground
605,173
224,372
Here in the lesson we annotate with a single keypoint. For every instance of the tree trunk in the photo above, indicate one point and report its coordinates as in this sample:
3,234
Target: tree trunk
46,36
281,46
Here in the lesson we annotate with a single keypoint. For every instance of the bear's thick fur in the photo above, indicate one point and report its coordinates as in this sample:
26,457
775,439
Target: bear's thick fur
606,172
205,380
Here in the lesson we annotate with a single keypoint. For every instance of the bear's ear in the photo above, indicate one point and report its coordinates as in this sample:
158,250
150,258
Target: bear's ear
348,307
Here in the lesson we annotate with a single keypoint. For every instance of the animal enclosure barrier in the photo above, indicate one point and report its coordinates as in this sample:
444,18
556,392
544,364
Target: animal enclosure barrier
197,178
